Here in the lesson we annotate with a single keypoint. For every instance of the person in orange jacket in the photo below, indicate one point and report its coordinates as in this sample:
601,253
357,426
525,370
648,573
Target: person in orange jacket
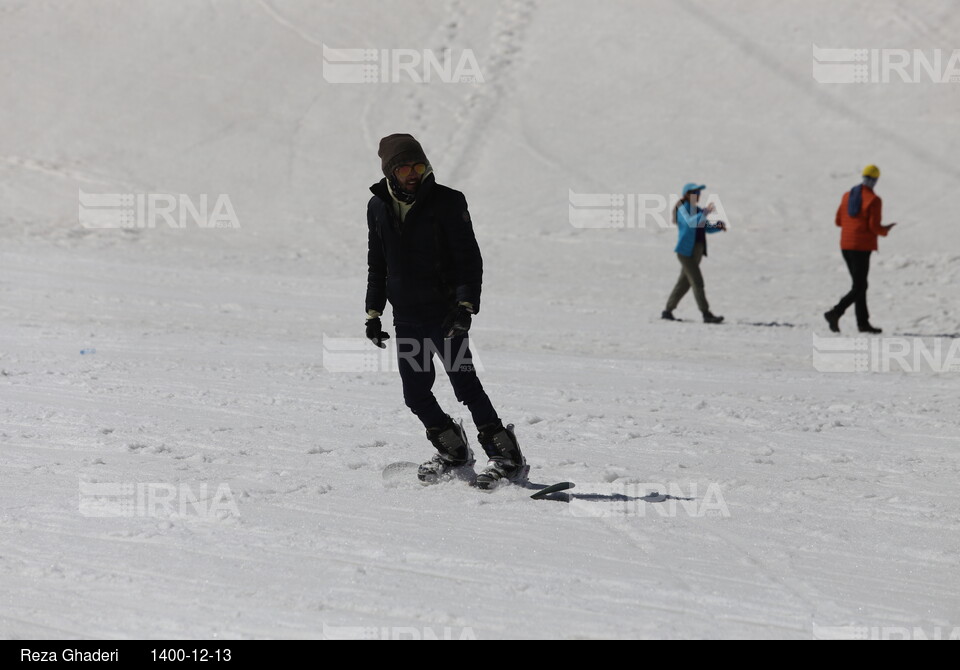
859,219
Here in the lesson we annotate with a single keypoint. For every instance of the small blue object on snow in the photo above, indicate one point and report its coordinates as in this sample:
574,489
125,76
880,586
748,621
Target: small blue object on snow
87,351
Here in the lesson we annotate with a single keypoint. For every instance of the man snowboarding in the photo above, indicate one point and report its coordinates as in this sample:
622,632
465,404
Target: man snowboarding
859,218
423,257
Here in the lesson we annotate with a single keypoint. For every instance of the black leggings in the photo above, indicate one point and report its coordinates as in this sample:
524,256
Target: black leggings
417,344
858,262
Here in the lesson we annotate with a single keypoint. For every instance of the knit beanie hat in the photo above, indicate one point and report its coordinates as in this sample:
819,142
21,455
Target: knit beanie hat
397,149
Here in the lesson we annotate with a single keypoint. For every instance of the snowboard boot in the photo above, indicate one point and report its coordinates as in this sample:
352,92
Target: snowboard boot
710,317
834,320
667,315
453,453
867,328
506,462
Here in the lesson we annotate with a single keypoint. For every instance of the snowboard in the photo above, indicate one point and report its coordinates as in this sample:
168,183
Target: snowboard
403,471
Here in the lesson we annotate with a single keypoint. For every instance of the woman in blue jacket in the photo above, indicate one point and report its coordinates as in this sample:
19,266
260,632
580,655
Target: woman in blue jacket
692,226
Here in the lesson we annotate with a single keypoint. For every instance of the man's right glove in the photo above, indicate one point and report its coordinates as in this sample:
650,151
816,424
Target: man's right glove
375,332
458,321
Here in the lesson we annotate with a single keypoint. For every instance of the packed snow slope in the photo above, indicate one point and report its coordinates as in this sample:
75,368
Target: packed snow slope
821,503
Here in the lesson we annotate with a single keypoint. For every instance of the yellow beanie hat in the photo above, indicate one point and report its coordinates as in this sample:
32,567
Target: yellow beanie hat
871,171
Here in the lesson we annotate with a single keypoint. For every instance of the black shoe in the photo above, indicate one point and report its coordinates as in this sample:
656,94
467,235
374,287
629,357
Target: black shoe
867,328
667,315
506,462
708,317
834,320
453,452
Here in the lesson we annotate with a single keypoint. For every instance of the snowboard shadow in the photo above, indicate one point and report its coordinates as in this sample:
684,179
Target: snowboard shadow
766,324
606,498
619,497
946,336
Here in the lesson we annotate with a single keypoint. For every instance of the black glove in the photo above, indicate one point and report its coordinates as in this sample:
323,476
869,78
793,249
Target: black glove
375,332
457,322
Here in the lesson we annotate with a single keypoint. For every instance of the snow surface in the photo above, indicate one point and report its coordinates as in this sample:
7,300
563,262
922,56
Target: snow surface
839,490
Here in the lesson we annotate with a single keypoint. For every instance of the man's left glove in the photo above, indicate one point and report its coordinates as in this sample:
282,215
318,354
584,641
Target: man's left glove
375,332
457,322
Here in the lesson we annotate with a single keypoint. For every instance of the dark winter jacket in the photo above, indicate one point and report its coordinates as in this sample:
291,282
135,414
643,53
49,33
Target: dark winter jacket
427,264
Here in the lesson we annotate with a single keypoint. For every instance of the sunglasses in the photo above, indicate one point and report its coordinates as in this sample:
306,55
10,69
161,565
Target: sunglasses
404,171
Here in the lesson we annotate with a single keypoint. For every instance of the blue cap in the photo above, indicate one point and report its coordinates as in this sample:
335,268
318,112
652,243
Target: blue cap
692,187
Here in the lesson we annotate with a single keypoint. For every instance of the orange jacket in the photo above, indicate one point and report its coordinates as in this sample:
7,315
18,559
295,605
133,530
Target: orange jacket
859,233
